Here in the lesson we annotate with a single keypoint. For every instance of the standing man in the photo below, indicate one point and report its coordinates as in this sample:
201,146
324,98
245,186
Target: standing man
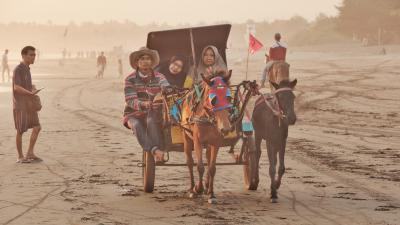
277,52
24,117
120,68
64,57
5,66
101,65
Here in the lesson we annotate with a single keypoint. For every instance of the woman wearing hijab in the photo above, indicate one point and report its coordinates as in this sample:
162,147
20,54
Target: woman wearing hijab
175,71
211,62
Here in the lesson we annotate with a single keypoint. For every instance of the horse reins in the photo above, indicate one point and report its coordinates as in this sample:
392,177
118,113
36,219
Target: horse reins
209,119
278,113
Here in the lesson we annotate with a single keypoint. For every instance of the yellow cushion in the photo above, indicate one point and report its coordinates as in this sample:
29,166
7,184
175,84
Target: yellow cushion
188,82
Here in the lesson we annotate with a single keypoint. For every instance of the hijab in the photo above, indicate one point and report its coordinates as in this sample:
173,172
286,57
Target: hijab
219,63
177,80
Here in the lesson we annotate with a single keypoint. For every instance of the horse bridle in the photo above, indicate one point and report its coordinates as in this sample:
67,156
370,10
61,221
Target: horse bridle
210,115
209,119
279,112
248,85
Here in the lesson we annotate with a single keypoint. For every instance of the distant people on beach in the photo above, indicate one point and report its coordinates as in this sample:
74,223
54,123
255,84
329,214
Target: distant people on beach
120,68
64,54
383,51
4,66
63,57
364,42
101,65
26,105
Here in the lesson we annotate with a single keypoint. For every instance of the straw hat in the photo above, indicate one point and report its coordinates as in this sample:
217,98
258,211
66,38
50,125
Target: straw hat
134,57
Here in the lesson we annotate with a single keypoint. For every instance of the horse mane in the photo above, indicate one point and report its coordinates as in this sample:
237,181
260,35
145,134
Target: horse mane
228,83
284,83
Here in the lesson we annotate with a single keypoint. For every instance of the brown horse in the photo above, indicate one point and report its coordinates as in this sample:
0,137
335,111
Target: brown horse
278,72
207,116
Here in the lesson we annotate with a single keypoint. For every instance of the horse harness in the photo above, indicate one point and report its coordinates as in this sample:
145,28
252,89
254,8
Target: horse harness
209,119
195,98
272,102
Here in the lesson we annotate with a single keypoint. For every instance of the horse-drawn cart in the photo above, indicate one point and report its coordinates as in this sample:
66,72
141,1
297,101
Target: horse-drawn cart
190,42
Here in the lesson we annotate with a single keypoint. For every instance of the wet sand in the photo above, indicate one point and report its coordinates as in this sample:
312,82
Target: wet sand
342,158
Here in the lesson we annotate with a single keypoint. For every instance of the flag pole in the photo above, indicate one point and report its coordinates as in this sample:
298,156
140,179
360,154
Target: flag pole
247,125
247,60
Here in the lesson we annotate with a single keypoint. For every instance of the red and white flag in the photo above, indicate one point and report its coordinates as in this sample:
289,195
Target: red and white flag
254,44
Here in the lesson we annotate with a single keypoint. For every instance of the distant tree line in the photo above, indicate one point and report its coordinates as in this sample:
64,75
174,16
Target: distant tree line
377,20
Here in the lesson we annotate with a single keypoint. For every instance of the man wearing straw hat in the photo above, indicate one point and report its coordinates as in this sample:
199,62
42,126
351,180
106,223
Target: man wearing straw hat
140,114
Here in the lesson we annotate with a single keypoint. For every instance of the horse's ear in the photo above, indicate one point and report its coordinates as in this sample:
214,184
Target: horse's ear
206,80
276,86
293,83
227,77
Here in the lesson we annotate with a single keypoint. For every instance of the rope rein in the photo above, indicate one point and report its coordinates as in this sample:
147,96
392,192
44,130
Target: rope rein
277,112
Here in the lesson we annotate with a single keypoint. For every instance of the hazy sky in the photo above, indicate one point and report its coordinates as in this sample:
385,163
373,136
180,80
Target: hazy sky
170,11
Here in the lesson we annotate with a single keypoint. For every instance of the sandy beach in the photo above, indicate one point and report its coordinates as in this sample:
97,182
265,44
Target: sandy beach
342,160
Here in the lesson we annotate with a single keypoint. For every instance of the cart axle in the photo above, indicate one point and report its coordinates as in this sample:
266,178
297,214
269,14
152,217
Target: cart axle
195,164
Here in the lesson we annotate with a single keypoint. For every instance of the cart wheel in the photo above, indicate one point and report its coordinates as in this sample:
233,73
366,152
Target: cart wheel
250,168
149,172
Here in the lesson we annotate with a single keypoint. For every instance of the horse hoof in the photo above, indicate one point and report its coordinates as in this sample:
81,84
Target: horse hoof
274,200
198,191
212,200
192,195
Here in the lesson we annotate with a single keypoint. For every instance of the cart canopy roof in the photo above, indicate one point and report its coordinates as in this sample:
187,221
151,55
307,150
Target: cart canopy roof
171,42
